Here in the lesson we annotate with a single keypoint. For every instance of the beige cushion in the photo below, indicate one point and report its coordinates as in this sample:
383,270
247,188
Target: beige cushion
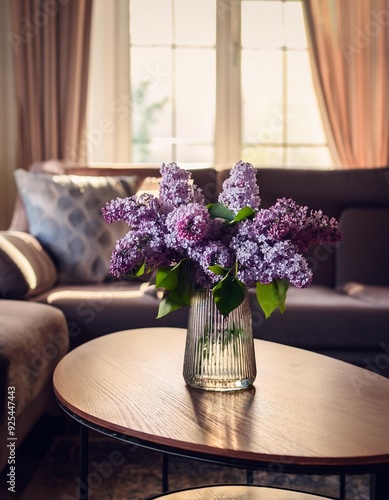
150,185
25,268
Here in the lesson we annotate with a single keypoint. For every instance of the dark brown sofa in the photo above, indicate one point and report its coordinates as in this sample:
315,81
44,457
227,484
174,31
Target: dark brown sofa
345,313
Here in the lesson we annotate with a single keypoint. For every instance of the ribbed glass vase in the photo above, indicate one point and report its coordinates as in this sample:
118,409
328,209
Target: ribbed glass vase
219,352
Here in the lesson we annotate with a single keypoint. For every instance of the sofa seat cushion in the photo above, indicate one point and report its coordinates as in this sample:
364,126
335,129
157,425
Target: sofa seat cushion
319,318
376,295
33,338
97,309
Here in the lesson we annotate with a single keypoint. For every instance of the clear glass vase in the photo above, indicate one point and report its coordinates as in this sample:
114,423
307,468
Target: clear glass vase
219,351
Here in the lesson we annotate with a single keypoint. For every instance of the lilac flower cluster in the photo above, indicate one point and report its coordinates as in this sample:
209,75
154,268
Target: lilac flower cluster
267,245
175,188
241,189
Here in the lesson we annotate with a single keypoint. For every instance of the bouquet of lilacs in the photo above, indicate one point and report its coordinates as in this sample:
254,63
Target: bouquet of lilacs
224,247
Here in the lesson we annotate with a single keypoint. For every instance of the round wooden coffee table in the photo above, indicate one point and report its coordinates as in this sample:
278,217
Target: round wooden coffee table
236,492
306,412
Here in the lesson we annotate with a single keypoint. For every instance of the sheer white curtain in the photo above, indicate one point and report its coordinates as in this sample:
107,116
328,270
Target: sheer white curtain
108,132
7,118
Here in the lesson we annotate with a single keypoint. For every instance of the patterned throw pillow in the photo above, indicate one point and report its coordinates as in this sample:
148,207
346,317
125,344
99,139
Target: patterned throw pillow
64,214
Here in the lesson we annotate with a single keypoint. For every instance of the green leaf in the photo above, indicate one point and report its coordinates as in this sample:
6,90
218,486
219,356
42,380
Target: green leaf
179,290
167,277
244,213
166,306
218,270
220,211
141,270
272,295
228,294
182,294
174,299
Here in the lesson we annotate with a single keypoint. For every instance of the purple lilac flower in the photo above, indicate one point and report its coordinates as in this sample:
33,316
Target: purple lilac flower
317,229
138,246
261,259
209,254
249,255
127,254
282,219
198,278
187,225
286,220
135,211
240,189
175,188
281,261
115,210
177,225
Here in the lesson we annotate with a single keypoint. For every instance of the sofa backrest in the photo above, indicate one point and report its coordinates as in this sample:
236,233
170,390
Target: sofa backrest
204,177
333,191
363,256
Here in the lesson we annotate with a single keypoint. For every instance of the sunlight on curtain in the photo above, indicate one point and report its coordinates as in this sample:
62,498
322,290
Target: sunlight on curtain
51,68
349,46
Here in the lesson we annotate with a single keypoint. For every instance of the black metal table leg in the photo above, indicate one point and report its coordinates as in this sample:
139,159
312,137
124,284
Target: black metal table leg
249,476
342,487
379,485
165,473
84,462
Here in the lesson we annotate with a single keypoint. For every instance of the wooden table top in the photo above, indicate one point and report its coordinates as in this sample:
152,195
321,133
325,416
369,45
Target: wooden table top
238,492
304,410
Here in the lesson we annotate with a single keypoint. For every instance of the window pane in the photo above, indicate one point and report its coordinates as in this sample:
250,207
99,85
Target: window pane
151,22
195,94
263,155
151,97
156,151
295,35
309,157
189,16
262,96
305,125
195,153
261,25
173,80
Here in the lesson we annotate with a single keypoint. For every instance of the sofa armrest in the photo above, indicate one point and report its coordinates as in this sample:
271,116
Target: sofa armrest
25,267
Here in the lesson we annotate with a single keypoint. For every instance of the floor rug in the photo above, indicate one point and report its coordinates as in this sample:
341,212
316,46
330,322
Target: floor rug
120,471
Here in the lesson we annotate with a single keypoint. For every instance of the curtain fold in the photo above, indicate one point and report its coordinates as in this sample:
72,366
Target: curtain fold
7,118
51,52
349,50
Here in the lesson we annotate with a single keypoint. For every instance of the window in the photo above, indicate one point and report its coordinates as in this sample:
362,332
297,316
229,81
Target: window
216,81
281,125
173,79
